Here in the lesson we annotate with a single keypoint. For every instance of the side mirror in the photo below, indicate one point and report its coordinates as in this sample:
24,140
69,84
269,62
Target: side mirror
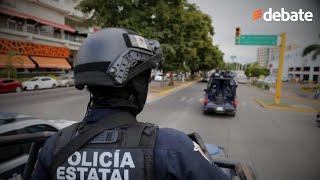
205,90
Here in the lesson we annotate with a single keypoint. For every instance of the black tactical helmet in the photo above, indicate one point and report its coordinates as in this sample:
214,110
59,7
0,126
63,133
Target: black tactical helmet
113,56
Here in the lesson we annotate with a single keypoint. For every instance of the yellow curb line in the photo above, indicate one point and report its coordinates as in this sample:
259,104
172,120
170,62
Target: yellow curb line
285,108
166,92
259,102
308,92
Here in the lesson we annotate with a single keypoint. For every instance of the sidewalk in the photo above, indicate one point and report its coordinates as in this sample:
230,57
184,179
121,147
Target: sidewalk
290,101
288,105
294,92
157,91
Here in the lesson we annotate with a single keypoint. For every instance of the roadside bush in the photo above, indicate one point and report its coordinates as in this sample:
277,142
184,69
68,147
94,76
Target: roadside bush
53,76
8,73
258,84
262,85
254,81
256,71
311,89
266,86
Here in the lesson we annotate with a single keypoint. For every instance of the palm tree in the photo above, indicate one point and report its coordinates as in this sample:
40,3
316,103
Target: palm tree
315,48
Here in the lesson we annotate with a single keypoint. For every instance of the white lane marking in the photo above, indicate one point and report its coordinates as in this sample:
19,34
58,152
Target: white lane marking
244,104
190,99
183,98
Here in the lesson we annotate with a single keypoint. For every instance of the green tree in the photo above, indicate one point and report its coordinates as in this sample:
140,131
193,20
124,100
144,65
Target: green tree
230,66
314,48
10,71
254,70
182,29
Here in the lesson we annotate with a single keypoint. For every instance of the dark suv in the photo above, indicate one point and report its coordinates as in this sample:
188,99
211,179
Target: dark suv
220,95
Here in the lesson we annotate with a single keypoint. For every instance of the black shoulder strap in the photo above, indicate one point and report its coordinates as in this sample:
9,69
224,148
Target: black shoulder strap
65,135
77,142
143,135
134,134
147,141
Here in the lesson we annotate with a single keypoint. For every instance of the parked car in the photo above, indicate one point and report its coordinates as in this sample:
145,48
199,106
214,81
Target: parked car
242,81
10,85
285,79
220,95
270,80
159,77
40,83
260,80
14,157
65,81
206,77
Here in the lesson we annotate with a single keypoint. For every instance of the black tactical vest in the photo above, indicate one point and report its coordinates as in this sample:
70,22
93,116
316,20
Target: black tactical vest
115,148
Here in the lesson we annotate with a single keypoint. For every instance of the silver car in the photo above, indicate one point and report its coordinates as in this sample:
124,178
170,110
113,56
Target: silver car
65,81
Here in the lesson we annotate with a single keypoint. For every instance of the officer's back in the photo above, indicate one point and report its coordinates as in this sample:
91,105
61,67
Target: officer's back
115,64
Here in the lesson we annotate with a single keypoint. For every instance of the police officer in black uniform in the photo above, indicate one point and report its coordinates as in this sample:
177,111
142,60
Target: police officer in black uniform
109,144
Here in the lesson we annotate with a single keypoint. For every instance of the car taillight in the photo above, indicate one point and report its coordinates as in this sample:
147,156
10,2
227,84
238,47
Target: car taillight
235,103
205,100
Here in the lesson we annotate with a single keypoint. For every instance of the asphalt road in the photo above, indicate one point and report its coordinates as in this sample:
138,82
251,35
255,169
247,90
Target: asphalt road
278,144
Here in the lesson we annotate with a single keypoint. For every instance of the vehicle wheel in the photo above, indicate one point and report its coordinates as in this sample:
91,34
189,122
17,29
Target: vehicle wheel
233,114
36,87
67,85
54,86
18,89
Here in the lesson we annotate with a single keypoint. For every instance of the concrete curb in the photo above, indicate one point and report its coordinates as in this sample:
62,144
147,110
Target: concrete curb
169,91
296,109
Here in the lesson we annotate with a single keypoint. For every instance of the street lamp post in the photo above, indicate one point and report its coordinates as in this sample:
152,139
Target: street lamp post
233,58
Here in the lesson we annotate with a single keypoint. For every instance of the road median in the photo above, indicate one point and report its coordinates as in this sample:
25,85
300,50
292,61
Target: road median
296,98
157,92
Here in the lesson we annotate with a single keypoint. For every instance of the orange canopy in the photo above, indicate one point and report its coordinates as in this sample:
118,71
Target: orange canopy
52,63
17,61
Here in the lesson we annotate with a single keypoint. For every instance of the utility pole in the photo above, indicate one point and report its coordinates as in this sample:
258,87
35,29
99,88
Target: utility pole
277,97
233,58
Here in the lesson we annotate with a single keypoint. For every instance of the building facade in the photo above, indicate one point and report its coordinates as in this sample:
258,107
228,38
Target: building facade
296,67
44,35
264,54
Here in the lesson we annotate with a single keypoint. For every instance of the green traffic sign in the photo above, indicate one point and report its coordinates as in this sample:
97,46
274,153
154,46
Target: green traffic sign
256,40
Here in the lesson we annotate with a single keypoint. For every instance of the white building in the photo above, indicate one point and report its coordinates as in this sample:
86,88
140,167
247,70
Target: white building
296,67
49,30
265,54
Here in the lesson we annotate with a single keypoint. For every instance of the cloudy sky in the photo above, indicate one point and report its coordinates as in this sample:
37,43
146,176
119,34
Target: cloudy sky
228,14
